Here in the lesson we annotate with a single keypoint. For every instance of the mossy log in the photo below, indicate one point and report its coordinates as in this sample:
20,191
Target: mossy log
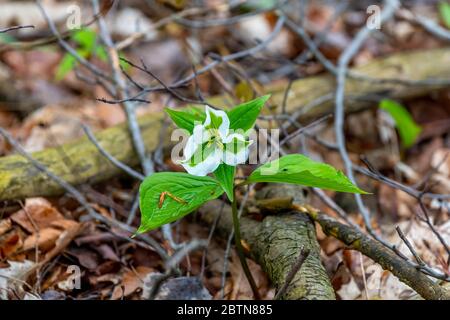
77,163
80,162
275,244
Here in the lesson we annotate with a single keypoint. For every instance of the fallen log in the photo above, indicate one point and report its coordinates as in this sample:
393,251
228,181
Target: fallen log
275,244
80,162
77,163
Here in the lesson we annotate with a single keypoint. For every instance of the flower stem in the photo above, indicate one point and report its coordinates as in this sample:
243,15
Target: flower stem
240,249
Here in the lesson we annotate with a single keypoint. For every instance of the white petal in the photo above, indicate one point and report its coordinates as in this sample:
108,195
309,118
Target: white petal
232,136
209,165
233,159
198,137
224,126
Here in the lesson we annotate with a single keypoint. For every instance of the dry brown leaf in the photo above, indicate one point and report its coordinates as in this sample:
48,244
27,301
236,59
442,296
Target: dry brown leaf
44,239
40,211
106,252
55,275
241,289
425,242
5,225
10,243
384,285
65,224
86,258
132,281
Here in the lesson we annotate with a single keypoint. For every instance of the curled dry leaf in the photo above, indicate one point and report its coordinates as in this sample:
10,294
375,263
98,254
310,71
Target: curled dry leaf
10,243
132,280
37,213
44,222
44,239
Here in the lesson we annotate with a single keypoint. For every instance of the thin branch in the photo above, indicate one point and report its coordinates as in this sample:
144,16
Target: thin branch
301,130
404,270
16,28
410,246
113,56
343,62
108,156
428,24
304,253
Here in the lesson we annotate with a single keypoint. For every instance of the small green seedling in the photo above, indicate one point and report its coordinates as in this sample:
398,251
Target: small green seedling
87,46
444,11
407,128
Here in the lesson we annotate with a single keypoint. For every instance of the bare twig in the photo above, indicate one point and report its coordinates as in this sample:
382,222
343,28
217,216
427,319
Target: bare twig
301,130
113,56
428,24
113,160
16,28
406,272
175,94
409,245
344,60
304,253
172,263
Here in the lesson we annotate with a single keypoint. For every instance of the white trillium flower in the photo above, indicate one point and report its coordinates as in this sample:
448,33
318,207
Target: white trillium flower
212,143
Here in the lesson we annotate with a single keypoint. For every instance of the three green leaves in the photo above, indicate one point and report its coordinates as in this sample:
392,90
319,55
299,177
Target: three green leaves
169,196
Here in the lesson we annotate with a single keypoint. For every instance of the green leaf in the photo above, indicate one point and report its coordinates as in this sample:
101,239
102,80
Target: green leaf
197,111
444,10
85,38
244,115
225,175
184,119
169,196
298,169
65,66
69,62
407,128
101,53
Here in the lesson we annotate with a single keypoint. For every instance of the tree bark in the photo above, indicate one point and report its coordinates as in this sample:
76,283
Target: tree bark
275,244
80,162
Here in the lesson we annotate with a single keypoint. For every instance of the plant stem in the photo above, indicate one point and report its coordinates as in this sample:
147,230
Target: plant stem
240,249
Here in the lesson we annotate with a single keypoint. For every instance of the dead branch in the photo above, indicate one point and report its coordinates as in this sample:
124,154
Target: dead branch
406,273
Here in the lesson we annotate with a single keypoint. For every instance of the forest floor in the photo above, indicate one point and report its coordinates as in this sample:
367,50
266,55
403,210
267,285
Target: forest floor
50,248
